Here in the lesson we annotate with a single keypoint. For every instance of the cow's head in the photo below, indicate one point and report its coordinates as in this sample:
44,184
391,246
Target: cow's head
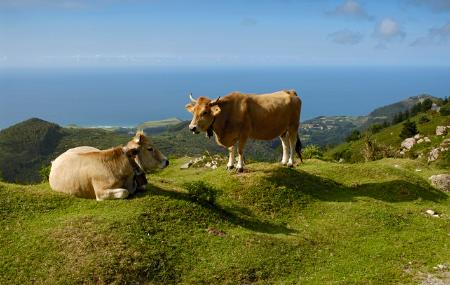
144,153
203,110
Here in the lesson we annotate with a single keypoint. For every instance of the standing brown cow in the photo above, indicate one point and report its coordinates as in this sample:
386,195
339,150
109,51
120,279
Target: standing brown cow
238,117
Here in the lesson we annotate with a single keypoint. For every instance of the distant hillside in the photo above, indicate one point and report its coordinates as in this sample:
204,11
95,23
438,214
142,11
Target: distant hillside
329,130
387,113
332,130
155,127
28,146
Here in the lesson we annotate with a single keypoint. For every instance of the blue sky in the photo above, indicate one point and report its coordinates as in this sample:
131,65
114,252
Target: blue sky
103,33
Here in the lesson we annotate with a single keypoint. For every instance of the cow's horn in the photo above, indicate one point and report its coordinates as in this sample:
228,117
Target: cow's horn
192,98
215,102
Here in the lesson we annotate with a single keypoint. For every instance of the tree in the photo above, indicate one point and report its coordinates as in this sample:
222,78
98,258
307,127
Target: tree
445,110
409,130
426,105
354,136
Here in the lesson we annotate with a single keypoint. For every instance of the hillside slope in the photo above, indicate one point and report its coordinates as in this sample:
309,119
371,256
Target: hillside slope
30,145
390,137
319,223
332,130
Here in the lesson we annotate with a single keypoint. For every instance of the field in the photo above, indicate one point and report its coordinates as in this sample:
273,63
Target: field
318,223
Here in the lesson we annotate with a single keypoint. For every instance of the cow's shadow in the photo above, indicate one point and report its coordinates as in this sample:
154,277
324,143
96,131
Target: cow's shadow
234,214
324,189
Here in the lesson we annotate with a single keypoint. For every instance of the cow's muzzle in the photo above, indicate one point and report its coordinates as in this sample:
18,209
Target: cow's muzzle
194,129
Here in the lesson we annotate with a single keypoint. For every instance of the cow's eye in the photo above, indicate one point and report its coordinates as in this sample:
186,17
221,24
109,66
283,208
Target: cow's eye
204,113
150,149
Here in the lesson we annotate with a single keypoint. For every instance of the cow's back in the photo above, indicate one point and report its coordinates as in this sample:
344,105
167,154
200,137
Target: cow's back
71,172
270,115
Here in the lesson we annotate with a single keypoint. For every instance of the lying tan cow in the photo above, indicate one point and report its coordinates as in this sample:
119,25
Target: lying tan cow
238,117
115,173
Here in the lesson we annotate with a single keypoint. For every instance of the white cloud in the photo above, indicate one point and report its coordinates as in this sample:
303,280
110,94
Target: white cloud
388,30
435,36
351,8
346,37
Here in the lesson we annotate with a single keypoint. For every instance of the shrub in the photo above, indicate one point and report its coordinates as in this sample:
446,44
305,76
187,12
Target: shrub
354,136
44,172
445,110
375,128
409,130
201,192
423,119
312,151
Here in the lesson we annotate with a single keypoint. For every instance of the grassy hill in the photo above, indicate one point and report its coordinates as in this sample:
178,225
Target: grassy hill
319,223
389,138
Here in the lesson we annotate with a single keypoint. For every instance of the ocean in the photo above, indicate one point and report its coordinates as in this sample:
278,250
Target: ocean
128,96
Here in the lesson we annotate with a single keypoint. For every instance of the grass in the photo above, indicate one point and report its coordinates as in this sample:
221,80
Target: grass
319,223
390,137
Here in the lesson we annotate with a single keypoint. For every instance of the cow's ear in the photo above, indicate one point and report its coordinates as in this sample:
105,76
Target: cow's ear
190,107
215,110
131,151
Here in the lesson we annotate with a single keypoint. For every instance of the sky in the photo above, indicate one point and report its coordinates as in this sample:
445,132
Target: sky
104,33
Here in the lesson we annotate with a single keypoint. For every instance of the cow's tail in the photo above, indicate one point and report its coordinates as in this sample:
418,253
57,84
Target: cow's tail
298,148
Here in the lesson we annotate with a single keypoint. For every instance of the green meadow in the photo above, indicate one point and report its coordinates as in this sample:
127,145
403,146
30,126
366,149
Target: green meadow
317,223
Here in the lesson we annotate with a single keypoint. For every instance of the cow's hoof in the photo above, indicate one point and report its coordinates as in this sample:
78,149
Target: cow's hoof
230,167
290,165
240,170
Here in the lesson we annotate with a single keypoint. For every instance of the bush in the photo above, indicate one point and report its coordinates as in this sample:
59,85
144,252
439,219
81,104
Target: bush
423,119
374,151
44,172
375,128
354,136
312,151
201,192
445,110
409,130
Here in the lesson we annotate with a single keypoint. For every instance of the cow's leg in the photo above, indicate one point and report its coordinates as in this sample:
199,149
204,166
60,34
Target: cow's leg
230,164
292,141
107,194
241,146
285,143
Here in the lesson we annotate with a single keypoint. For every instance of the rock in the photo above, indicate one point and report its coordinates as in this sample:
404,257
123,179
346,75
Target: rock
402,152
418,136
433,155
408,143
208,164
186,165
441,267
214,166
420,141
445,143
441,182
418,170
430,212
427,139
396,165
441,130
341,160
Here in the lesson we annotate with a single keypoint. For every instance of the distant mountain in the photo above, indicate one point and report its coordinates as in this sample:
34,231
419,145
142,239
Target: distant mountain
329,130
155,127
30,145
332,130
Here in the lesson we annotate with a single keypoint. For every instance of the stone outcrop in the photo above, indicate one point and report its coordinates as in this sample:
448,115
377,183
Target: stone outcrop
441,182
